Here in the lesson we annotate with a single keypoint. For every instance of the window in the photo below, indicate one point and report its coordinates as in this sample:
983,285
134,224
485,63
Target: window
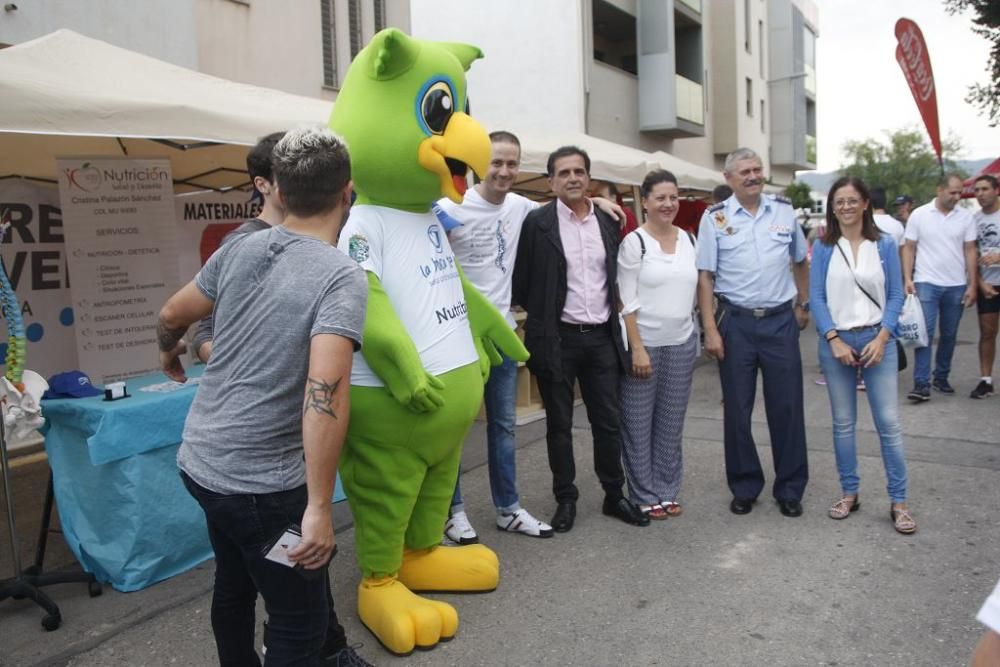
809,47
746,25
760,47
354,26
329,29
749,97
762,127
614,37
379,13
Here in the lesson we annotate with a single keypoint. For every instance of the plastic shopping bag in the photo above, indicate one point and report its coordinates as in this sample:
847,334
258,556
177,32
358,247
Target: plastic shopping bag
912,328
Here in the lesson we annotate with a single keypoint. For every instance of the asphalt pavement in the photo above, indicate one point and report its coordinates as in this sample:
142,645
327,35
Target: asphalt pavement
707,588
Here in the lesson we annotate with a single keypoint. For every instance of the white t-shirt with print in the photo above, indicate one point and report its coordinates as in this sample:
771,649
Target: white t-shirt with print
988,230
410,255
940,244
486,243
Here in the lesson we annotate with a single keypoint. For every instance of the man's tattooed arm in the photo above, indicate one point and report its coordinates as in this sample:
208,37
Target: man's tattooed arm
166,337
320,395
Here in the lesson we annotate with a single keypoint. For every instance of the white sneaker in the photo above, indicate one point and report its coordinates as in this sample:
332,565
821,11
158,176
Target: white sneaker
522,522
459,530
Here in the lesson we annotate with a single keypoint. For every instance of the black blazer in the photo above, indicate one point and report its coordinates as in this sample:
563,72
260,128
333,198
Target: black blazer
539,286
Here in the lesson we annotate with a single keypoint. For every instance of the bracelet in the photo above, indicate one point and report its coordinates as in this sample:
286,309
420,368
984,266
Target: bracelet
833,337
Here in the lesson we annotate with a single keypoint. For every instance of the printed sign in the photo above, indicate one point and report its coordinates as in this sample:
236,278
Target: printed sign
122,250
203,220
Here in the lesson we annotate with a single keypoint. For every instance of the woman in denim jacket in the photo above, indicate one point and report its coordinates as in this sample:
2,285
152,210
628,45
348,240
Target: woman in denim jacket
856,293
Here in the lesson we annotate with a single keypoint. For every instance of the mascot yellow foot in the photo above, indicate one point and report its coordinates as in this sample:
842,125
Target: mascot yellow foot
401,620
469,569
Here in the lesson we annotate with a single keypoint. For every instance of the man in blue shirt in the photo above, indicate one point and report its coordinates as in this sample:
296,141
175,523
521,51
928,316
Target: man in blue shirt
752,258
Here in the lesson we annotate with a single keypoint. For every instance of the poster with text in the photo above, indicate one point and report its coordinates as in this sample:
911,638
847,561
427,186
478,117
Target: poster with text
34,257
203,220
121,247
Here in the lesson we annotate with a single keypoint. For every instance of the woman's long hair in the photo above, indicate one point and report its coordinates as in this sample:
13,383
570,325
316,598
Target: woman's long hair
869,229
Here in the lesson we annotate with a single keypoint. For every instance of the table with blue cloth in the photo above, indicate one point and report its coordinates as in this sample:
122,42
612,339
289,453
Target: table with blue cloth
124,511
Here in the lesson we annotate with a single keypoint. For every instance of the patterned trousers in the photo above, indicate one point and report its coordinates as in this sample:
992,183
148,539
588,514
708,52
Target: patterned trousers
653,412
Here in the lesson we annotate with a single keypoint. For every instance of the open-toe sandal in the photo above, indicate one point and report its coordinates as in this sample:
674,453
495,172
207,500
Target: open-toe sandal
903,521
673,509
843,507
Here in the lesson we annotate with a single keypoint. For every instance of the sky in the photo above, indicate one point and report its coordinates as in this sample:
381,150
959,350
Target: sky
861,90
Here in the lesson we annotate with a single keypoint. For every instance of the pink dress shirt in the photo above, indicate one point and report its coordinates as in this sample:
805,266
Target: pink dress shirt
586,268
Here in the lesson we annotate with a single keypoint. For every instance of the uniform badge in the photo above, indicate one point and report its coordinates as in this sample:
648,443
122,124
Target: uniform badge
358,248
720,219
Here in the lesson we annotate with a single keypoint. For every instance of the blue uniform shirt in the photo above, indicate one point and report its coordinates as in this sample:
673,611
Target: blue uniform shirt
750,255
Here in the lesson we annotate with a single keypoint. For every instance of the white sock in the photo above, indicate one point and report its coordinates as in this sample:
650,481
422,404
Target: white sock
987,379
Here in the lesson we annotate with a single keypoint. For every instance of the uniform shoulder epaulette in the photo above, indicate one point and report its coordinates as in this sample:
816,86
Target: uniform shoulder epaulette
782,198
717,207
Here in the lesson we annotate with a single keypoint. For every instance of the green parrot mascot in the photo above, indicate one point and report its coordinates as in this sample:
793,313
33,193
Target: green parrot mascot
429,336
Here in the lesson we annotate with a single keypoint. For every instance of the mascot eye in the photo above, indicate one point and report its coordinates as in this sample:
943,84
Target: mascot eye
437,107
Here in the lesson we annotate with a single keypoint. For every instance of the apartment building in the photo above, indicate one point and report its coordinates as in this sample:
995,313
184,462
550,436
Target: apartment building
693,78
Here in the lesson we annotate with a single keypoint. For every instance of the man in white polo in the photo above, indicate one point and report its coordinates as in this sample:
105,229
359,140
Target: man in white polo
939,266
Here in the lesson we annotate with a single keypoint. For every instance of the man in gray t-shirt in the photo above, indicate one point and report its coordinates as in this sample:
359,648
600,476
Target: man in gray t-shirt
264,433
988,301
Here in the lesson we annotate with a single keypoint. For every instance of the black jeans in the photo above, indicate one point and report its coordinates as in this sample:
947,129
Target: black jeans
589,357
302,624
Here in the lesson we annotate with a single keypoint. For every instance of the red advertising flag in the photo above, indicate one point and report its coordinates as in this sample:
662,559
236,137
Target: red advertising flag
912,56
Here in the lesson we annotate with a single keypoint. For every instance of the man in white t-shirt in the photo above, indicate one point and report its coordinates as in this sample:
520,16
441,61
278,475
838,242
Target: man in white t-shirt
485,244
939,266
885,222
988,303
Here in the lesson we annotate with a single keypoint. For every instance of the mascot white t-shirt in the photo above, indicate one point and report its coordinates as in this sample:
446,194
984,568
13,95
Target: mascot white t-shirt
410,255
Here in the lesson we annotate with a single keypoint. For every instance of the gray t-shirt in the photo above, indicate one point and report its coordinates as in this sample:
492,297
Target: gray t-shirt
273,291
988,236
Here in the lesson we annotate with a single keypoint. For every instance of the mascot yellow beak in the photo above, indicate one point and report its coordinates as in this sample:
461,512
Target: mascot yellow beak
463,144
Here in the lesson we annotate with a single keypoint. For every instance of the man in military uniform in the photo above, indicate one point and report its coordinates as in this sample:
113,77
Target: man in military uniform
752,259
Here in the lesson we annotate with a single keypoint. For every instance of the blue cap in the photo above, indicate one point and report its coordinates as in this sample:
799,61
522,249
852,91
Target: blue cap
71,384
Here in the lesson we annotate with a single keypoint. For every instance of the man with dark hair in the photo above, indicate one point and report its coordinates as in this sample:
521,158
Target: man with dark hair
564,277
264,434
721,193
260,173
988,304
939,266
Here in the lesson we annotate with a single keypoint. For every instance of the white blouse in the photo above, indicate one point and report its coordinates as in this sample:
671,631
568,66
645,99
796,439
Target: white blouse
848,305
660,286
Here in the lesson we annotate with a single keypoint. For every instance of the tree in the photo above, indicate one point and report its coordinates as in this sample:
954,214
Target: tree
905,164
987,24
798,192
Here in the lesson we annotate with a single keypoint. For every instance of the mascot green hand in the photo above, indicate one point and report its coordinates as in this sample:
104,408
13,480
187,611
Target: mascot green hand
417,384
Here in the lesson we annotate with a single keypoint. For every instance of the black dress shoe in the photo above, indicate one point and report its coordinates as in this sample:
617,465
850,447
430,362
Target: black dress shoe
562,520
790,507
626,511
741,505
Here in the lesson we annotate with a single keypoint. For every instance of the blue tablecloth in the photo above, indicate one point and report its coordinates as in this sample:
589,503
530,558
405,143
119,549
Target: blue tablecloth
124,512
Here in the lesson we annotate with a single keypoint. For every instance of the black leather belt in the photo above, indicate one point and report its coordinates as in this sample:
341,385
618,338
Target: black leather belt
580,328
867,327
754,312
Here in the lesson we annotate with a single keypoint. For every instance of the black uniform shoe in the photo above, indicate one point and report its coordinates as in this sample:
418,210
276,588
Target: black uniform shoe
562,520
626,511
741,505
790,507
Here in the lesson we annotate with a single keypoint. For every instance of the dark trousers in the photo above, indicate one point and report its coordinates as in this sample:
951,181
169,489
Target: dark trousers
301,624
770,344
589,357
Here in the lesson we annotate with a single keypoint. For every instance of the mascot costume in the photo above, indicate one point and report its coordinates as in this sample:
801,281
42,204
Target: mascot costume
429,336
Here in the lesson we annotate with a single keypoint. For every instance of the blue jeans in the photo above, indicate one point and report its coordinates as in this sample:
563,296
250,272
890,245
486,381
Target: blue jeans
500,396
301,624
944,305
881,387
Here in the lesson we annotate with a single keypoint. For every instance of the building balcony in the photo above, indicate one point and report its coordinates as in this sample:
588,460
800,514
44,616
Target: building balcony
811,149
690,101
810,80
693,5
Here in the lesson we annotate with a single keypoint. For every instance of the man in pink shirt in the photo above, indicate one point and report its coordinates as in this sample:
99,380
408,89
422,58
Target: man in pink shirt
564,277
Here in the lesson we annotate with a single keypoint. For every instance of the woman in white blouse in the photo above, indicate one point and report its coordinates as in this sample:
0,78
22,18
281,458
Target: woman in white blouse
856,293
656,282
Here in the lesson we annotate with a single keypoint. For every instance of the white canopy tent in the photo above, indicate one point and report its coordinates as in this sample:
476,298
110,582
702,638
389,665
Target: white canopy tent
65,94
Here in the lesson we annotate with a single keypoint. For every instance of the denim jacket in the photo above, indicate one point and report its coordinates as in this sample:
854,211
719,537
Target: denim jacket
888,253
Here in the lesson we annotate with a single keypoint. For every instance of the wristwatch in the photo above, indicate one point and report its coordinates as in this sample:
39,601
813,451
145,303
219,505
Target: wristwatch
804,305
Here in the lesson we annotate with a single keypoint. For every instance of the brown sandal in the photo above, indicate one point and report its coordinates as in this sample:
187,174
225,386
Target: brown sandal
902,520
673,509
657,513
843,507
